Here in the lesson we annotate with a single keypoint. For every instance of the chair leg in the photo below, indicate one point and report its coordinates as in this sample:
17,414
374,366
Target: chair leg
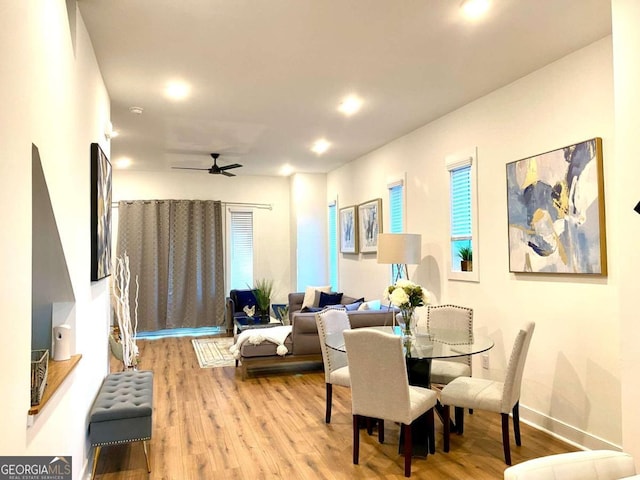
356,440
459,413
327,415
146,455
471,411
446,427
369,423
381,430
408,449
431,425
516,423
505,438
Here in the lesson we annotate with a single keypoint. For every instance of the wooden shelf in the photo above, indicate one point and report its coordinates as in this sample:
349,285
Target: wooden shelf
58,372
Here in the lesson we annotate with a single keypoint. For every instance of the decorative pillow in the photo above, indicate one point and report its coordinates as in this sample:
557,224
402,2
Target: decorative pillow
310,295
244,298
351,307
364,306
329,299
310,309
359,300
371,305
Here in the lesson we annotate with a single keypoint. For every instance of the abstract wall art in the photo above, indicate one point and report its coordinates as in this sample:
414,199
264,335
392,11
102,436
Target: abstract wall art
555,204
100,214
349,230
370,224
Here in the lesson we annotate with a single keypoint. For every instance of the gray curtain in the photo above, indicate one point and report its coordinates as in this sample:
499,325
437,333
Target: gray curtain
175,248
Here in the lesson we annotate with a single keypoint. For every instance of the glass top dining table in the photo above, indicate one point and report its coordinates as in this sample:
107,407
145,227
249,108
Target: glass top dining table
440,343
420,350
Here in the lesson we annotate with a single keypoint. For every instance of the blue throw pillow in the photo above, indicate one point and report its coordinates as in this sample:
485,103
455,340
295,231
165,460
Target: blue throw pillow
244,298
353,306
329,299
310,309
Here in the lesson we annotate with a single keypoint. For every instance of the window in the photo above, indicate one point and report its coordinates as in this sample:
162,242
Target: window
463,217
333,246
396,217
241,249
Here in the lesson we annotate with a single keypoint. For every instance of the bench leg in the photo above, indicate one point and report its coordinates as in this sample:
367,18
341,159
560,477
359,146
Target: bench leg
146,455
95,462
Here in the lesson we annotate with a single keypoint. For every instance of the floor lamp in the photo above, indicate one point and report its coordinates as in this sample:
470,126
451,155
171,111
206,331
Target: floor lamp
399,249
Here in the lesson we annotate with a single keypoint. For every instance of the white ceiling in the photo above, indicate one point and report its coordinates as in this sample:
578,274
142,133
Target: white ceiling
267,76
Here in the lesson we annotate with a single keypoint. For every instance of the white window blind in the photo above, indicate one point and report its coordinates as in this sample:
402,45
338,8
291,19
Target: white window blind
396,216
396,208
241,251
333,246
461,203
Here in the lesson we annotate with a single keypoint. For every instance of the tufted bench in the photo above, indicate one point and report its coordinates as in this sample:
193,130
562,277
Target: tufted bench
121,412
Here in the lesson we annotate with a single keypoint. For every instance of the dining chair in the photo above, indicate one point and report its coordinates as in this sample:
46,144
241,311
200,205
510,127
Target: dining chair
494,396
336,371
380,387
451,324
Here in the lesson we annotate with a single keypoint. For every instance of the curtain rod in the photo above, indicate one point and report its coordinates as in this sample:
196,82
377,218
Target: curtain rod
265,206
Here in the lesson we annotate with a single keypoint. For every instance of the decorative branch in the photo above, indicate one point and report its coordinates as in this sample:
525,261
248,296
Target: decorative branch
128,330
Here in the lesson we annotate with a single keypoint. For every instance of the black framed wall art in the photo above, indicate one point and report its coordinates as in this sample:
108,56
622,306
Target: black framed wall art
100,214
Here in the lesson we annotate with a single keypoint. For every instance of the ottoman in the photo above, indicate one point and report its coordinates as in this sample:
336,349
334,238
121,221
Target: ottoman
122,411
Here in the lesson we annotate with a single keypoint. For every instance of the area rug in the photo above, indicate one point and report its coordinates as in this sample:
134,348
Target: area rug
214,352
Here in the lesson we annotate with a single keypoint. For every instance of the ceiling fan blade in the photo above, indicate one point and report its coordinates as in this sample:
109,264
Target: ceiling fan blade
233,165
190,168
228,174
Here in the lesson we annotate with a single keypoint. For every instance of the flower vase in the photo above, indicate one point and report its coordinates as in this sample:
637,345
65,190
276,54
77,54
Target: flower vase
408,318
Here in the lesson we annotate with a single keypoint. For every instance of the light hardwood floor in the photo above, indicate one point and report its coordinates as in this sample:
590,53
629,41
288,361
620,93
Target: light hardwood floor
209,424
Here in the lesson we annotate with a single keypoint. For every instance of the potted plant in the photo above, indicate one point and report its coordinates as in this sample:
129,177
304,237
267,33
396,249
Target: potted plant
466,259
263,290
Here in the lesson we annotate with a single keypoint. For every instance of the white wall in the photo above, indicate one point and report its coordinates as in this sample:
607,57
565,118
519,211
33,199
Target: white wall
271,227
626,47
572,376
54,97
309,218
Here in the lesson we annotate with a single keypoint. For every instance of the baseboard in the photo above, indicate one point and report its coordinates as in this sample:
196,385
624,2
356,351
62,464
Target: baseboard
565,432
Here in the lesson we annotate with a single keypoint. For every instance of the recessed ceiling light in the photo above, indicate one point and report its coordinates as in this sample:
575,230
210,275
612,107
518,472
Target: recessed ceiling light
286,170
136,110
320,146
350,105
124,162
177,90
474,9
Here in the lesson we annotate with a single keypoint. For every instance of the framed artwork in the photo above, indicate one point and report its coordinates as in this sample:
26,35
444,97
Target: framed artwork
555,204
370,223
349,230
100,214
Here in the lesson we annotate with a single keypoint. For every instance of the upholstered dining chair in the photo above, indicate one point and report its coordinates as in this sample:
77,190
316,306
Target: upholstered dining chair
494,396
380,387
452,324
336,371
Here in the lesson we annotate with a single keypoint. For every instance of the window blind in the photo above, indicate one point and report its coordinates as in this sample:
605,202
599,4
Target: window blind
461,203
241,249
333,247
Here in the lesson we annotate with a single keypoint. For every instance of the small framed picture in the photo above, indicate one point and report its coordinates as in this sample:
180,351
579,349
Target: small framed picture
370,223
349,229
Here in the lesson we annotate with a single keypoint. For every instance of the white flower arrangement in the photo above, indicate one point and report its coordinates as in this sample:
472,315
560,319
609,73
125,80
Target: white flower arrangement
406,295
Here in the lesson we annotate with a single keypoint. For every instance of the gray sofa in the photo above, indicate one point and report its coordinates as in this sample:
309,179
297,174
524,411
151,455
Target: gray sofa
304,332
303,343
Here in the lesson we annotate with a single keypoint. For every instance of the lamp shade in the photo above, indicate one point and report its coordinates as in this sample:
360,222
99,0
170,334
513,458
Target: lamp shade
399,248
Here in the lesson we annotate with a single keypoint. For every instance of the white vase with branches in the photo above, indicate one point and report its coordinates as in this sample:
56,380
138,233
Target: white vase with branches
128,327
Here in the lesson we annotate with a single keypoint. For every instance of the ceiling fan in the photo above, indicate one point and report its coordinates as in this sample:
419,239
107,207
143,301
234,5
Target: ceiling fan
215,169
